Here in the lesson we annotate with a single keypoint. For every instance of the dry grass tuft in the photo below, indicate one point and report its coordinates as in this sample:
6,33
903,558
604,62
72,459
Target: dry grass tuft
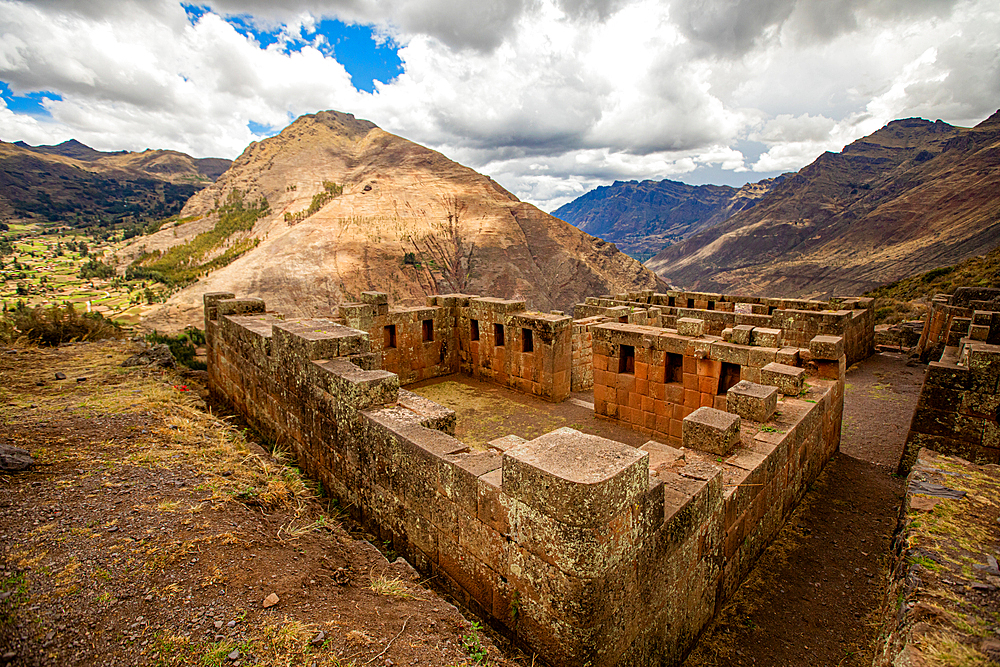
390,587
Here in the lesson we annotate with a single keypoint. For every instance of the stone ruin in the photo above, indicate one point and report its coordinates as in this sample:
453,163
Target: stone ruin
958,412
587,550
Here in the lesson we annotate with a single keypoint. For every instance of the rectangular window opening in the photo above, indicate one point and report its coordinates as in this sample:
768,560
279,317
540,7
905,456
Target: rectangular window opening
527,341
728,377
498,335
675,368
389,337
473,329
690,303
428,331
626,360
711,305
671,302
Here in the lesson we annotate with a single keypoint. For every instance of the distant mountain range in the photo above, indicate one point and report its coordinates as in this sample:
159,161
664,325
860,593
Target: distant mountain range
641,218
913,196
77,185
333,206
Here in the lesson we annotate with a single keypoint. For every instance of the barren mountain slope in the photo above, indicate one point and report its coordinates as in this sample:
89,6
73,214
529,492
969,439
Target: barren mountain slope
643,217
912,196
409,222
71,181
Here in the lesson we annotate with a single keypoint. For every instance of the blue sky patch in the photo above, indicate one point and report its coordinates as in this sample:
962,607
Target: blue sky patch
194,12
30,104
366,57
261,130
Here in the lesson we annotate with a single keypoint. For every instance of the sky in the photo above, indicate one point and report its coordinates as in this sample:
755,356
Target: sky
549,97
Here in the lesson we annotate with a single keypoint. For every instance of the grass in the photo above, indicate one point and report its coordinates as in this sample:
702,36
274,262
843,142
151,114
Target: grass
54,325
390,587
958,533
945,651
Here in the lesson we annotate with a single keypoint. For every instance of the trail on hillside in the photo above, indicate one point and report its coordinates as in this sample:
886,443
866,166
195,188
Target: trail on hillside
814,596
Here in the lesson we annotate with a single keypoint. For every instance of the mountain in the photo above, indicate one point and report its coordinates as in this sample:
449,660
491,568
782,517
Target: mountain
334,206
75,184
912,196
643,217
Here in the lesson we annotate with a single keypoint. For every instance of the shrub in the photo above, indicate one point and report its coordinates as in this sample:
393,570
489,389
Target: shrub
55,325
96,269
182,346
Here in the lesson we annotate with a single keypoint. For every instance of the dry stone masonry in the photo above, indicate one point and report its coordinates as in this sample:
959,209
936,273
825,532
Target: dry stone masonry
783,324
958,412
589,551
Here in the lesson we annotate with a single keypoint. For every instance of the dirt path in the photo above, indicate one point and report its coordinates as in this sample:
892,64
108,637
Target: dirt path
813,598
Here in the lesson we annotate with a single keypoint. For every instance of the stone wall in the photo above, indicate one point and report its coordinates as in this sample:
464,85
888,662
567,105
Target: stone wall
460,333
799,320
582,377
958,411
588,550
971,312
940,607
415,343
527,351
652,378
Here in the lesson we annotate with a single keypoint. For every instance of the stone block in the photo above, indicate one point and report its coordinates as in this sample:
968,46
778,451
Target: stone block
788,379
711,430
689,326
575,478
244,306
828,348
762,356
742,333
506,442
981,317
763,337
752,401
211,301
979,332
374,298
788,356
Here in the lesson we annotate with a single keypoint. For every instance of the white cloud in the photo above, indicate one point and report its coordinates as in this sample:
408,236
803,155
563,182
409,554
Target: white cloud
550,97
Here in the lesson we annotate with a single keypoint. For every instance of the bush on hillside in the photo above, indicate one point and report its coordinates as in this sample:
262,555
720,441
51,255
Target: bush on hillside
182,346
55,325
